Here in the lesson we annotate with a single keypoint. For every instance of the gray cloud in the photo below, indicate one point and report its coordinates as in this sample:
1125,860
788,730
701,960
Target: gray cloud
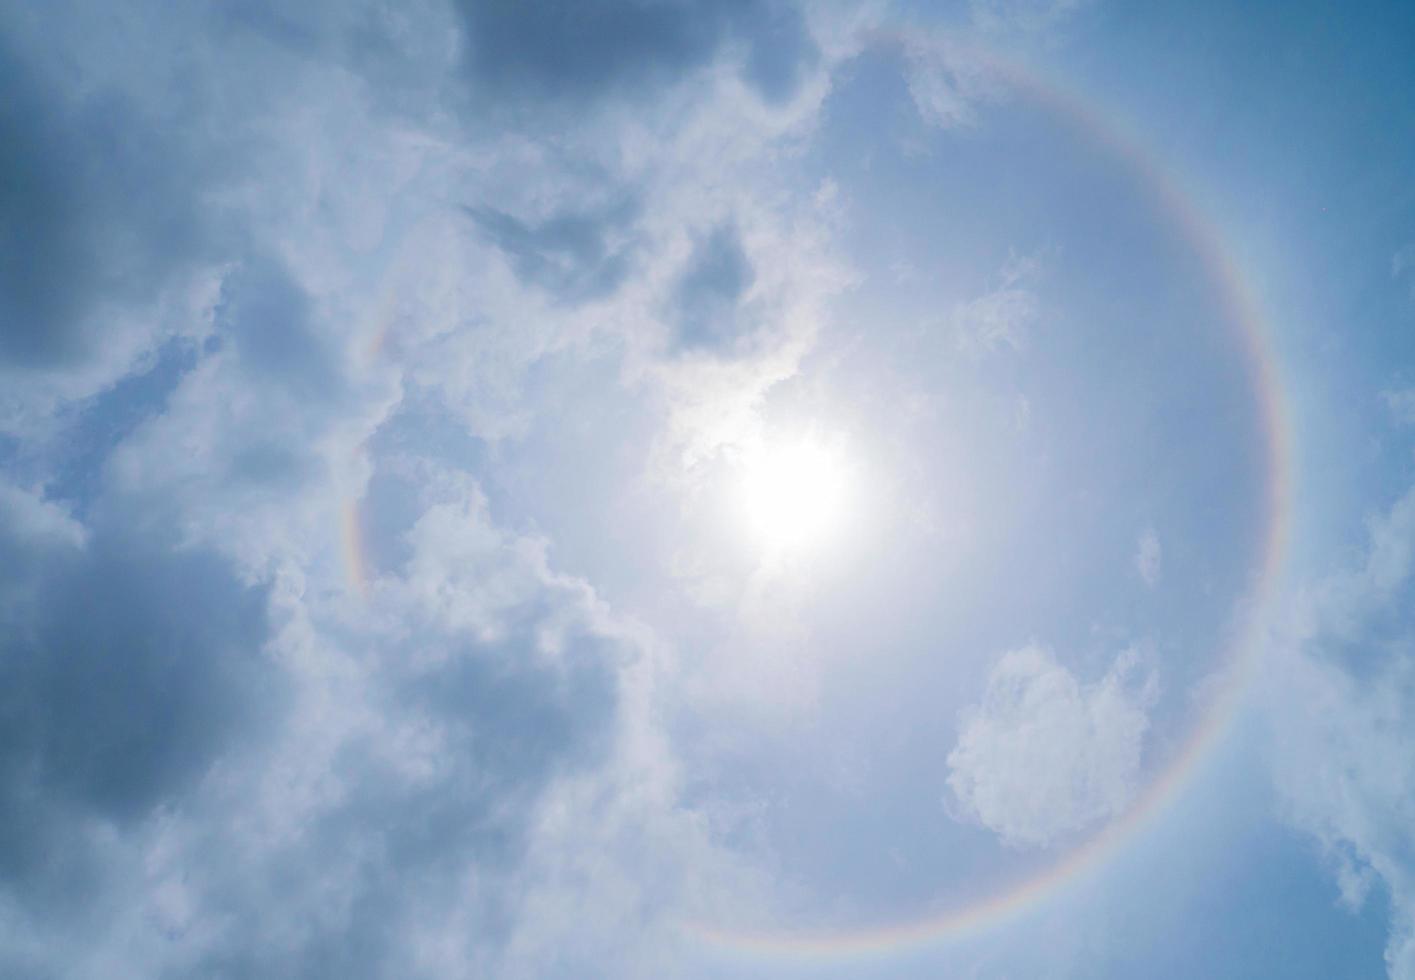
126,669
404,837
92,209
268,317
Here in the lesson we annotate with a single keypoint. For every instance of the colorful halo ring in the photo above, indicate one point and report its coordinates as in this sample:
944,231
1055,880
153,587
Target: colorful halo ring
1238,664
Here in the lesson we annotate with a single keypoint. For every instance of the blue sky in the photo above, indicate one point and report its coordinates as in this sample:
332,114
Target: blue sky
724,489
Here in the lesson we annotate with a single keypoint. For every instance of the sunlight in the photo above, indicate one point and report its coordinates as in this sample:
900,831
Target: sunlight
795,494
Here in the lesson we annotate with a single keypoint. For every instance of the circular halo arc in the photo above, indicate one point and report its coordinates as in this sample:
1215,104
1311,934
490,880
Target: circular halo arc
1242,310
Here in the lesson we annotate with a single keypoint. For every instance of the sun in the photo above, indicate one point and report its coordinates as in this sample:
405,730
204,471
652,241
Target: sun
795,493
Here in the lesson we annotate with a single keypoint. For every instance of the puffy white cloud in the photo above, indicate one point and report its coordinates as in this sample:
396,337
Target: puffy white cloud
1044,755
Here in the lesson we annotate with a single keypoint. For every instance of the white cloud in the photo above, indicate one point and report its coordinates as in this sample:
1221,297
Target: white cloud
1045,755
947,82
25,516
1341,703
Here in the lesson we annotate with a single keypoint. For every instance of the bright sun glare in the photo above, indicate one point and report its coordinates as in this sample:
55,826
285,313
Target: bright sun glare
795,493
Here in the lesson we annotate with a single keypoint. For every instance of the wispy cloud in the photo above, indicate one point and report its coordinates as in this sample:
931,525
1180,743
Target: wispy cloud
1342,706
1000,318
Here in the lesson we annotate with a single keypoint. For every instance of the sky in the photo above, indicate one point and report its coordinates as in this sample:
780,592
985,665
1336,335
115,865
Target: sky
729,489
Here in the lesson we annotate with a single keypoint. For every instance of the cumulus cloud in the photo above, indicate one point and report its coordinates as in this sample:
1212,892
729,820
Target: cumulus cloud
267,779
1044,754
1342,707
273,272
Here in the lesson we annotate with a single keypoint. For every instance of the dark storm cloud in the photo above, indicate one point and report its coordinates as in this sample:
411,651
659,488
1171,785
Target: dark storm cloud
125,670
577,52
717,276
91,209
574,255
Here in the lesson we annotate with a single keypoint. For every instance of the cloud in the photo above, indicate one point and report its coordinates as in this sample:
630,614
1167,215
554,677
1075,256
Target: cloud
104,251
1045,755
573,256
128,668
33,527
93,211
1148,557
1341,703
946,83
326,279
1000,318
950,74
291,683
268,781
266,315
